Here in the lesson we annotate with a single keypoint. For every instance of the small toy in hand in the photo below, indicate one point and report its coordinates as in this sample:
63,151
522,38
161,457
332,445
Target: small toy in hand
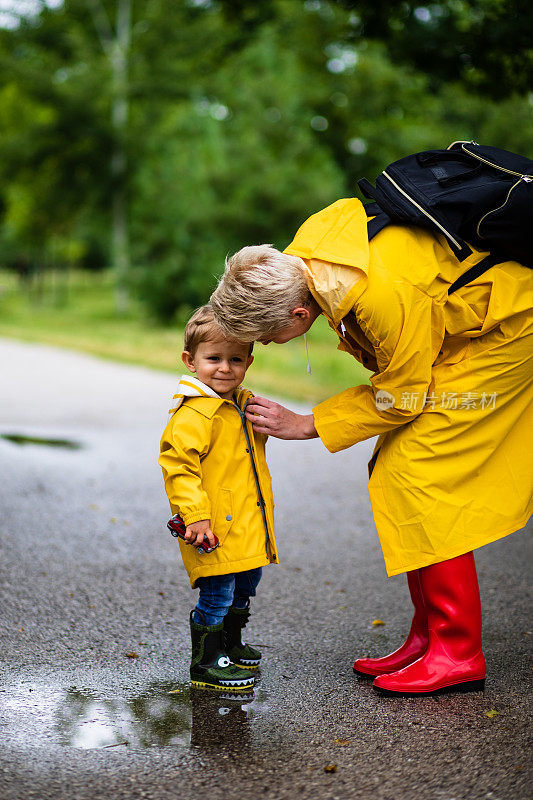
177,528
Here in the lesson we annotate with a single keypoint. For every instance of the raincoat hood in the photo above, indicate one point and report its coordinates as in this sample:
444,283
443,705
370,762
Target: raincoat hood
329,236
189,386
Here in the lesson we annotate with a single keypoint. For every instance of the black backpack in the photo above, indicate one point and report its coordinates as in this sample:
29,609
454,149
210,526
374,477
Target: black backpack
469,193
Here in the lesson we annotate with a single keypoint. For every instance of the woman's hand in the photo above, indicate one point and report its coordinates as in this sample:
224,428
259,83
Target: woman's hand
275,420
195,533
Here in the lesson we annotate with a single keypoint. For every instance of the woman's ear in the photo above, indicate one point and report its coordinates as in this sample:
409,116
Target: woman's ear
300,312
188,360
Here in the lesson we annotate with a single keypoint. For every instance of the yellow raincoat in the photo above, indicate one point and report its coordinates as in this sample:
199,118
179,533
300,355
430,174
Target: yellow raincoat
452,390
208,466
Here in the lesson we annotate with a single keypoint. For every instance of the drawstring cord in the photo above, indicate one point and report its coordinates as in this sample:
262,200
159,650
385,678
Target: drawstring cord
307,354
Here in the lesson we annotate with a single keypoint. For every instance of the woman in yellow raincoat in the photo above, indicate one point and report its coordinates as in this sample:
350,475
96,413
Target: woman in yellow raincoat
450,399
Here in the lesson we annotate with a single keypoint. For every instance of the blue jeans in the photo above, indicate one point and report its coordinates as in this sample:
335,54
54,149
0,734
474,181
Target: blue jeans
219,592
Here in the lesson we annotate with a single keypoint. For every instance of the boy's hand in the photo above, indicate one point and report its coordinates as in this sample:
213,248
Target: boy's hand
195,533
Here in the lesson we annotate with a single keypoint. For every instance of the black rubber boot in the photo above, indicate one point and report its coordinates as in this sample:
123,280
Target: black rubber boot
210,666
243,655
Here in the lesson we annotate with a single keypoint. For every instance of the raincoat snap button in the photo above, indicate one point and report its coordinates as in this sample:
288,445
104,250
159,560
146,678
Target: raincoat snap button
229,517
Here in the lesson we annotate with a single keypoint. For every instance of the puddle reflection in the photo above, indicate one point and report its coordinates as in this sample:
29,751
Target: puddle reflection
164,715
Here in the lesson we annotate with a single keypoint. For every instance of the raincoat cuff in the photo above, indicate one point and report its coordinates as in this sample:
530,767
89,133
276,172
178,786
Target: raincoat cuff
336,419
328,434
195,516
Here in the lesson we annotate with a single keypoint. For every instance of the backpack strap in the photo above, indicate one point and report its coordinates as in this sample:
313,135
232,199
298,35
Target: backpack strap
474,272
379,219
377,224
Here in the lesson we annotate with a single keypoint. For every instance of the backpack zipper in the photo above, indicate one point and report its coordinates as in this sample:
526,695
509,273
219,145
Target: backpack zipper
525,178
496,166
461,141
424,212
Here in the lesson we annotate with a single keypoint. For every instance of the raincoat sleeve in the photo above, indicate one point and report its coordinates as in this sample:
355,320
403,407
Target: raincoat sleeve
406,329
183,446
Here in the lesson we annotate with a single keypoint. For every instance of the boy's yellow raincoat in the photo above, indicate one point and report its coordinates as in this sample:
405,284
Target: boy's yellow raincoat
208,467
452,391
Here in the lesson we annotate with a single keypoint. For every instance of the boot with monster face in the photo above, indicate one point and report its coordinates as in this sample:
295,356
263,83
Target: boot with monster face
211,668
244,655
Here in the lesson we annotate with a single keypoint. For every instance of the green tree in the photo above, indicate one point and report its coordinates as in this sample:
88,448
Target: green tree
486,44
192,128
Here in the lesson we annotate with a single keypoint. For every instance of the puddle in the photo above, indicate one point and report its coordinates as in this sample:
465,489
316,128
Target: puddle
22,439
162,715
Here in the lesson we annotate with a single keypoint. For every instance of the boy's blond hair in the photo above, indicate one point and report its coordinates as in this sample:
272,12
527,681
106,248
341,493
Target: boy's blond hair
203,327
257,292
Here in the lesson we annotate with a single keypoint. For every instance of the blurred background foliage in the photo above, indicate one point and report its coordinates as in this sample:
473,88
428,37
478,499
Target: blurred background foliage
154,137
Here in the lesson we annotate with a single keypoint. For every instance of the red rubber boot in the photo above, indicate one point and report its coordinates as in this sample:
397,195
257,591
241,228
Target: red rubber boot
454,657
414,646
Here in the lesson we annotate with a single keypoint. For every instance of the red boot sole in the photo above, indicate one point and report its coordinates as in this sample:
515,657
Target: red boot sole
366,674
362,674
466,686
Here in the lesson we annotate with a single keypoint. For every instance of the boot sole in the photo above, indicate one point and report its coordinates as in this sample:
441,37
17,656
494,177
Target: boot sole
463,688
376,674
243,687
368,674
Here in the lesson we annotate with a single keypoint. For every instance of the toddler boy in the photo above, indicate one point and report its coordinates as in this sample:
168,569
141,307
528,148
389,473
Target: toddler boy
217,480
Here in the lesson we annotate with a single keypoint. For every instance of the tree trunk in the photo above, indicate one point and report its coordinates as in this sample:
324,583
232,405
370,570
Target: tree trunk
120,114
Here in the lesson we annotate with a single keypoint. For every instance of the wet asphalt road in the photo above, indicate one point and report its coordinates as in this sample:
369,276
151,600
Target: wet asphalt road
94,636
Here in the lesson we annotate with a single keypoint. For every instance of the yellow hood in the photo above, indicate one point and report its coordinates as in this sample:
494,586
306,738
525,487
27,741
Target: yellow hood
329,236
189,386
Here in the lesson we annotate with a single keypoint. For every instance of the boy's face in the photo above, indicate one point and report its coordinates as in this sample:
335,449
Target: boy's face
220,365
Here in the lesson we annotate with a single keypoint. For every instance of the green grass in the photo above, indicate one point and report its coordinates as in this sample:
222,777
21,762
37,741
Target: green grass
77,311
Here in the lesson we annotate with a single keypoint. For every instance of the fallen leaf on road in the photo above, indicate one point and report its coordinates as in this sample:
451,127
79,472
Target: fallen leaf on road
342,741
174,691
131,655
330,768
114,520
377,622
492,713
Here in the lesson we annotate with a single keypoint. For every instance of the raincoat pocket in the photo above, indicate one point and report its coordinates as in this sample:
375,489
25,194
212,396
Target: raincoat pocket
454,351
222,515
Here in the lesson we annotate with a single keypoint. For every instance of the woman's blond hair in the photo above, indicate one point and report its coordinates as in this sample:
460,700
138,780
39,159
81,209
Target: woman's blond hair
257,292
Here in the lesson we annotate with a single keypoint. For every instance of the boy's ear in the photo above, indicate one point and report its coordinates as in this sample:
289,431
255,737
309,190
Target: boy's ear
188,360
